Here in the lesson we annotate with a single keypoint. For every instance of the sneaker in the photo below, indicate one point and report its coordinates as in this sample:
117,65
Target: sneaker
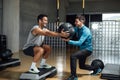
34,70
96,71
45,66
72,77
90,72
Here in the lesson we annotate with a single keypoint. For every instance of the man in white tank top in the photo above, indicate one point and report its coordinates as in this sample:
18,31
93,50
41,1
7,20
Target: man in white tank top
35,47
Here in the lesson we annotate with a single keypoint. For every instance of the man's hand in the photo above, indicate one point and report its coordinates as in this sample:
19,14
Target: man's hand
65,39
64,34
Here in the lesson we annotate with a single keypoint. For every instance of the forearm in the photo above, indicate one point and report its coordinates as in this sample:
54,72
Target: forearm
76,43
53,34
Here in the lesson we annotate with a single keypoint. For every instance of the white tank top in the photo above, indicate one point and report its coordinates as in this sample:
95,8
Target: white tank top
34,40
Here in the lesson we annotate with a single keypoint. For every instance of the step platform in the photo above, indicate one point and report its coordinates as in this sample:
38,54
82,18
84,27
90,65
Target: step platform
111,72
42,75
9,63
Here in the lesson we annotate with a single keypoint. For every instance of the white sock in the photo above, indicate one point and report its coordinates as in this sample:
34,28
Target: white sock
42,61
33,65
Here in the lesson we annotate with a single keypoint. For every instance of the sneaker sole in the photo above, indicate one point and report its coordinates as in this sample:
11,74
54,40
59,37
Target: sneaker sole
45,68
32,71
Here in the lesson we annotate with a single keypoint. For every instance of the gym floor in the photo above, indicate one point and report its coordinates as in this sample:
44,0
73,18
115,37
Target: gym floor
62,63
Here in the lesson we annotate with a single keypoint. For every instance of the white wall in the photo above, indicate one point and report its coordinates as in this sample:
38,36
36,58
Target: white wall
11,23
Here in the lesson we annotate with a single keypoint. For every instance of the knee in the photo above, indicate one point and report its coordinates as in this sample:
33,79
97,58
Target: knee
47,48
41,50
38,50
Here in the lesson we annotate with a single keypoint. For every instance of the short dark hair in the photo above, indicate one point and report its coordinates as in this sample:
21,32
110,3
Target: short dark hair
81,18
40,16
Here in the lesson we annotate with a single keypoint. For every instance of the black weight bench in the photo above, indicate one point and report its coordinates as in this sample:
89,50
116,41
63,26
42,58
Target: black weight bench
42,75
111,72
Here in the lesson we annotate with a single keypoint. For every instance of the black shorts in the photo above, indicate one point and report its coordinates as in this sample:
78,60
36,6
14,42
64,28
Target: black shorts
29,51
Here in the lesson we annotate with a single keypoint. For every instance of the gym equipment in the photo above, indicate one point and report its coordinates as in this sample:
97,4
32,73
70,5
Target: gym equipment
5,55
111,72
67,27
97,63
2,42
9,63
42,75
6,60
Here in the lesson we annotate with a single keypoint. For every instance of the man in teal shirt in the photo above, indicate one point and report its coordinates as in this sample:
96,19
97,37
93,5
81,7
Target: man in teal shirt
85,43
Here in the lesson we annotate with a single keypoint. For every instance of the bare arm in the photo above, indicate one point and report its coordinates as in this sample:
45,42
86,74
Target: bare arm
38,31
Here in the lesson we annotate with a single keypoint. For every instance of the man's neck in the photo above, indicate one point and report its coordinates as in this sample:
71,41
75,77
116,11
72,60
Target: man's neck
40,26
81,26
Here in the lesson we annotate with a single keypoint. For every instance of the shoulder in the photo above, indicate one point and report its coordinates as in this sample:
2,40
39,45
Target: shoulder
86,29
35,26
